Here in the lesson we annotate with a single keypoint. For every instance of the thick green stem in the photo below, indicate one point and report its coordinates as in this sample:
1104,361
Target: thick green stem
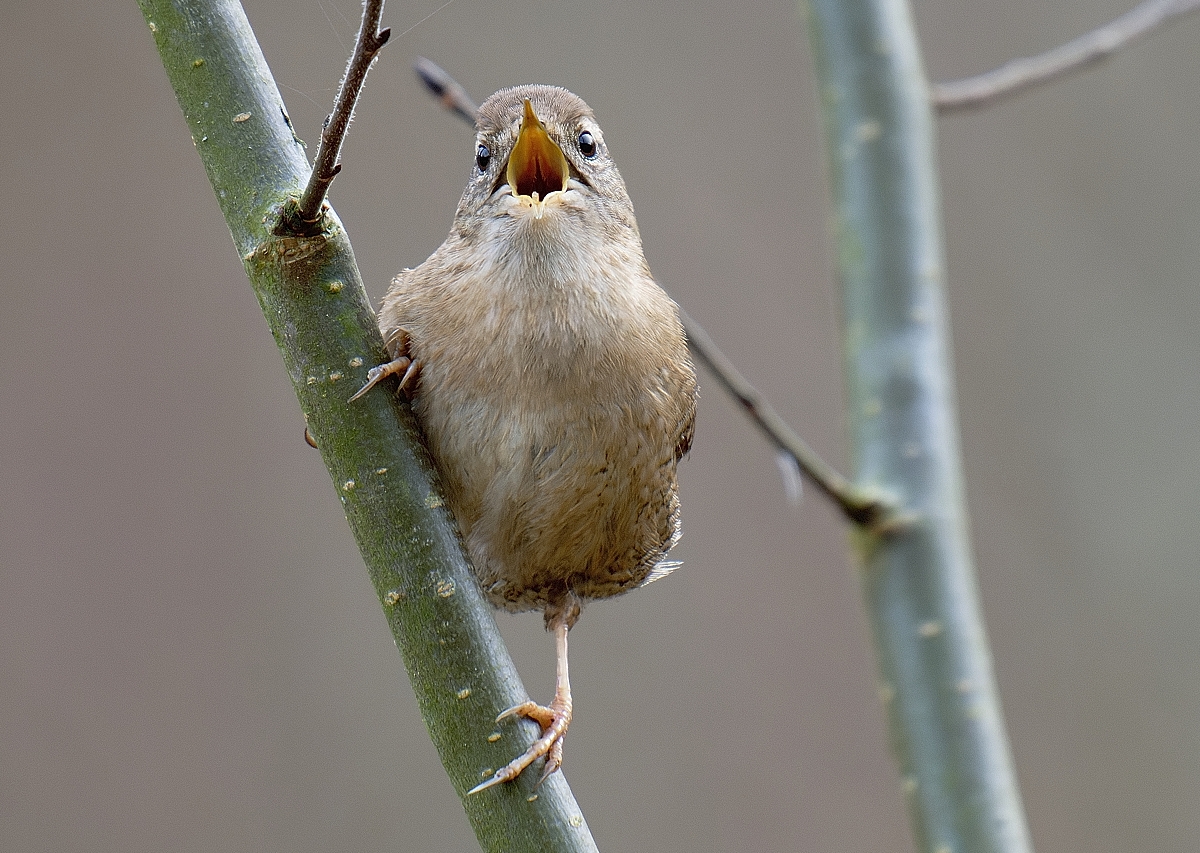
918,579
313,299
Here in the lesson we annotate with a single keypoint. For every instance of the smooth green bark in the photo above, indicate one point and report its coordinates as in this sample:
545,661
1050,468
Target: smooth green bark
315,305
917,575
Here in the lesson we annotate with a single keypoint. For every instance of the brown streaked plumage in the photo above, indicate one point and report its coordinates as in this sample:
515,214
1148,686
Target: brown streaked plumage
550,375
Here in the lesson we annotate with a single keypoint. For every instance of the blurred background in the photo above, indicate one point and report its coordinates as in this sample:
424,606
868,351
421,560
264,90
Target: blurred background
191,655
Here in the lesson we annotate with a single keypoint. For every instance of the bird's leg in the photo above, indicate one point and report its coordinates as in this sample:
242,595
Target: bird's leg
401,365
553,719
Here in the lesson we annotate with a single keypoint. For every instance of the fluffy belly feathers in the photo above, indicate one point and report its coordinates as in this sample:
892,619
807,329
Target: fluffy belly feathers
554,495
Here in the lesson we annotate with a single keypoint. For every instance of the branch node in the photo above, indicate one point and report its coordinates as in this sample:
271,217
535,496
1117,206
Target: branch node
291,222
876,513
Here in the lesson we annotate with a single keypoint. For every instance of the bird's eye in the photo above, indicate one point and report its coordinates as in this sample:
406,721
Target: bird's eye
587,145
483,156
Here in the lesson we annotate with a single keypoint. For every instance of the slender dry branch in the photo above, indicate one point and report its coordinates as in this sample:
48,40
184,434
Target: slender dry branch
1090,48
868,509
304,217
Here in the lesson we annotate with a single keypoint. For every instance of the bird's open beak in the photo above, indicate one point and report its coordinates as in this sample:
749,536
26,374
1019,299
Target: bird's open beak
536,166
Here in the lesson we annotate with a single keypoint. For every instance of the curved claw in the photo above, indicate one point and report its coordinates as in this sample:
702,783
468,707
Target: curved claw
499,778
553,761
540,714
483,786
403,365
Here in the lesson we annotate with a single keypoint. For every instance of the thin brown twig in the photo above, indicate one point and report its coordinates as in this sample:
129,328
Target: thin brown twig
869,510
1092,47
861,507
305,216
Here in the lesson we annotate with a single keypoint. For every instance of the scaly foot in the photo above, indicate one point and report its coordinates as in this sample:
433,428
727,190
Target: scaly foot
553,719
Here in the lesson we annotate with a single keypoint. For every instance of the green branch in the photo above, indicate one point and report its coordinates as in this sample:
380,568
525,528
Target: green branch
313,299
917,577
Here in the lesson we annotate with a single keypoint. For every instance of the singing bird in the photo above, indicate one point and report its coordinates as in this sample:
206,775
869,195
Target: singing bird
550,376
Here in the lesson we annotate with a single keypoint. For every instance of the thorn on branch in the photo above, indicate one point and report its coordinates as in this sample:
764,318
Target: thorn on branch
1086,50
303,217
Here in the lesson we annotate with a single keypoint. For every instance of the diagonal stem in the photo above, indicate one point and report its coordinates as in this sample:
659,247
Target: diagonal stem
862,506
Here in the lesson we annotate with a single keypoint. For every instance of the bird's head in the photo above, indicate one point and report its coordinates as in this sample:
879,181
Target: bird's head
541,164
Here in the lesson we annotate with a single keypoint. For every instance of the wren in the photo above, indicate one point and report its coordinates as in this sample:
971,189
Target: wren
550,376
